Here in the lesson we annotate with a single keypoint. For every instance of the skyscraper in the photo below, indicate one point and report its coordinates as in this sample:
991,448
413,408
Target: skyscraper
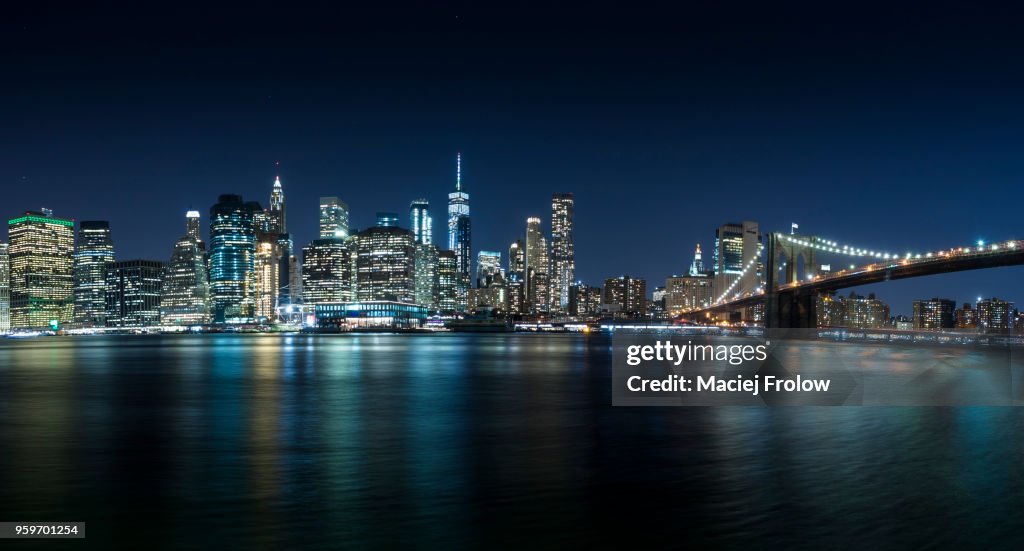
426,276
93,252
563,251
516,279
459,229
385,264
232,257
327,271
697,266
737,251
488,268
41,263
333,218
278,222
420,222
5,290
447,281
185,294
537,277
133,293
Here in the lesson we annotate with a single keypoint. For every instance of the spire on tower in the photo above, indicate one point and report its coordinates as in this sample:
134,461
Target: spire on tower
458,171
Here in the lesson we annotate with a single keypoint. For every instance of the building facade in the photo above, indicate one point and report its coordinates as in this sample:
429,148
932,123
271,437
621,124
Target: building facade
134,289
41,253
737,263
328,271
934,314
448,282
333,218
563,251
460,235
185,293
385,264
233,258
627,293
996,316
94,251
538,283
420,223
689,292
584,300
5,289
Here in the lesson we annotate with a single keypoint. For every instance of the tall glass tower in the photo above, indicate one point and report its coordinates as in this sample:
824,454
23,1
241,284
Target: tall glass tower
93,253
42,264
232,257
333,218
459,229
420,222
185,293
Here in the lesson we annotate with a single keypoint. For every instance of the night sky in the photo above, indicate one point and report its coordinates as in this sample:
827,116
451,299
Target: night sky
899,129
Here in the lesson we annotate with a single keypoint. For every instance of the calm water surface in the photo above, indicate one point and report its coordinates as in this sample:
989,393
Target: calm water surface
327,441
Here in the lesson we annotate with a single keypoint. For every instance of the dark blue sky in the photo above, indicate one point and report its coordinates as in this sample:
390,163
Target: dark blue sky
888,127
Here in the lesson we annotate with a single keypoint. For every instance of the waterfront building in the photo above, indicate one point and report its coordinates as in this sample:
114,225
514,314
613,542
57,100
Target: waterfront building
563,251
328,271
996,316
185,292
628,294
385,264
584,300
375,314
41,257
937,313
94,251
134,288
420,223
233,258
5,289
426,276
966,317
333,218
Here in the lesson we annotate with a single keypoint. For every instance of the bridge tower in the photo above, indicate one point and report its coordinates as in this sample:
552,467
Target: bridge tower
790,308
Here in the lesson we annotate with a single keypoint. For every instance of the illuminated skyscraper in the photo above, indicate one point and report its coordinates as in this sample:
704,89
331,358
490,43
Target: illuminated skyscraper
697,267
488,268
327,271
420,222
268,269
233,258
426,276
459,229
42,269
538,285
684,293
737,246
447,281
333,218
5,289
185,295
563,251
516,280
278,222
385,264
93,252
133,293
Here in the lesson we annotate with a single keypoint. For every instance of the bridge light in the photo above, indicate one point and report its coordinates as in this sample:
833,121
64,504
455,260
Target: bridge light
981,242
929,255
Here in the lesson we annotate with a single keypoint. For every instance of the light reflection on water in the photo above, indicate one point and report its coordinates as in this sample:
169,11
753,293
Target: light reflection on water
469,440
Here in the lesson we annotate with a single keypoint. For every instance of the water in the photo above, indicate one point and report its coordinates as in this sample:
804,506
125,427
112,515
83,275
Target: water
504,440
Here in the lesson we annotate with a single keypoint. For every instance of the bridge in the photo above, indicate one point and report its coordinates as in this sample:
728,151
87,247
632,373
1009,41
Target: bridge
792,302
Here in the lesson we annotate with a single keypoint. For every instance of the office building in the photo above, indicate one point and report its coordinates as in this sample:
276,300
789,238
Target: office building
134,288
488,268
737,257
426,276
333,218
5,289
233,258
967,317
584,300
185,293
94,251
538,283
460,229
385,264
328,271
689,292
420,223
41,253
448,282
563,251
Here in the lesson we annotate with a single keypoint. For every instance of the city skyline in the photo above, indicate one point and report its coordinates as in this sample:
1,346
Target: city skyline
663,130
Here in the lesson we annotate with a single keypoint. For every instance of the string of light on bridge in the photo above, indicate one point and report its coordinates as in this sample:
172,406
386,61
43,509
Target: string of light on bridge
833,247
742,273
